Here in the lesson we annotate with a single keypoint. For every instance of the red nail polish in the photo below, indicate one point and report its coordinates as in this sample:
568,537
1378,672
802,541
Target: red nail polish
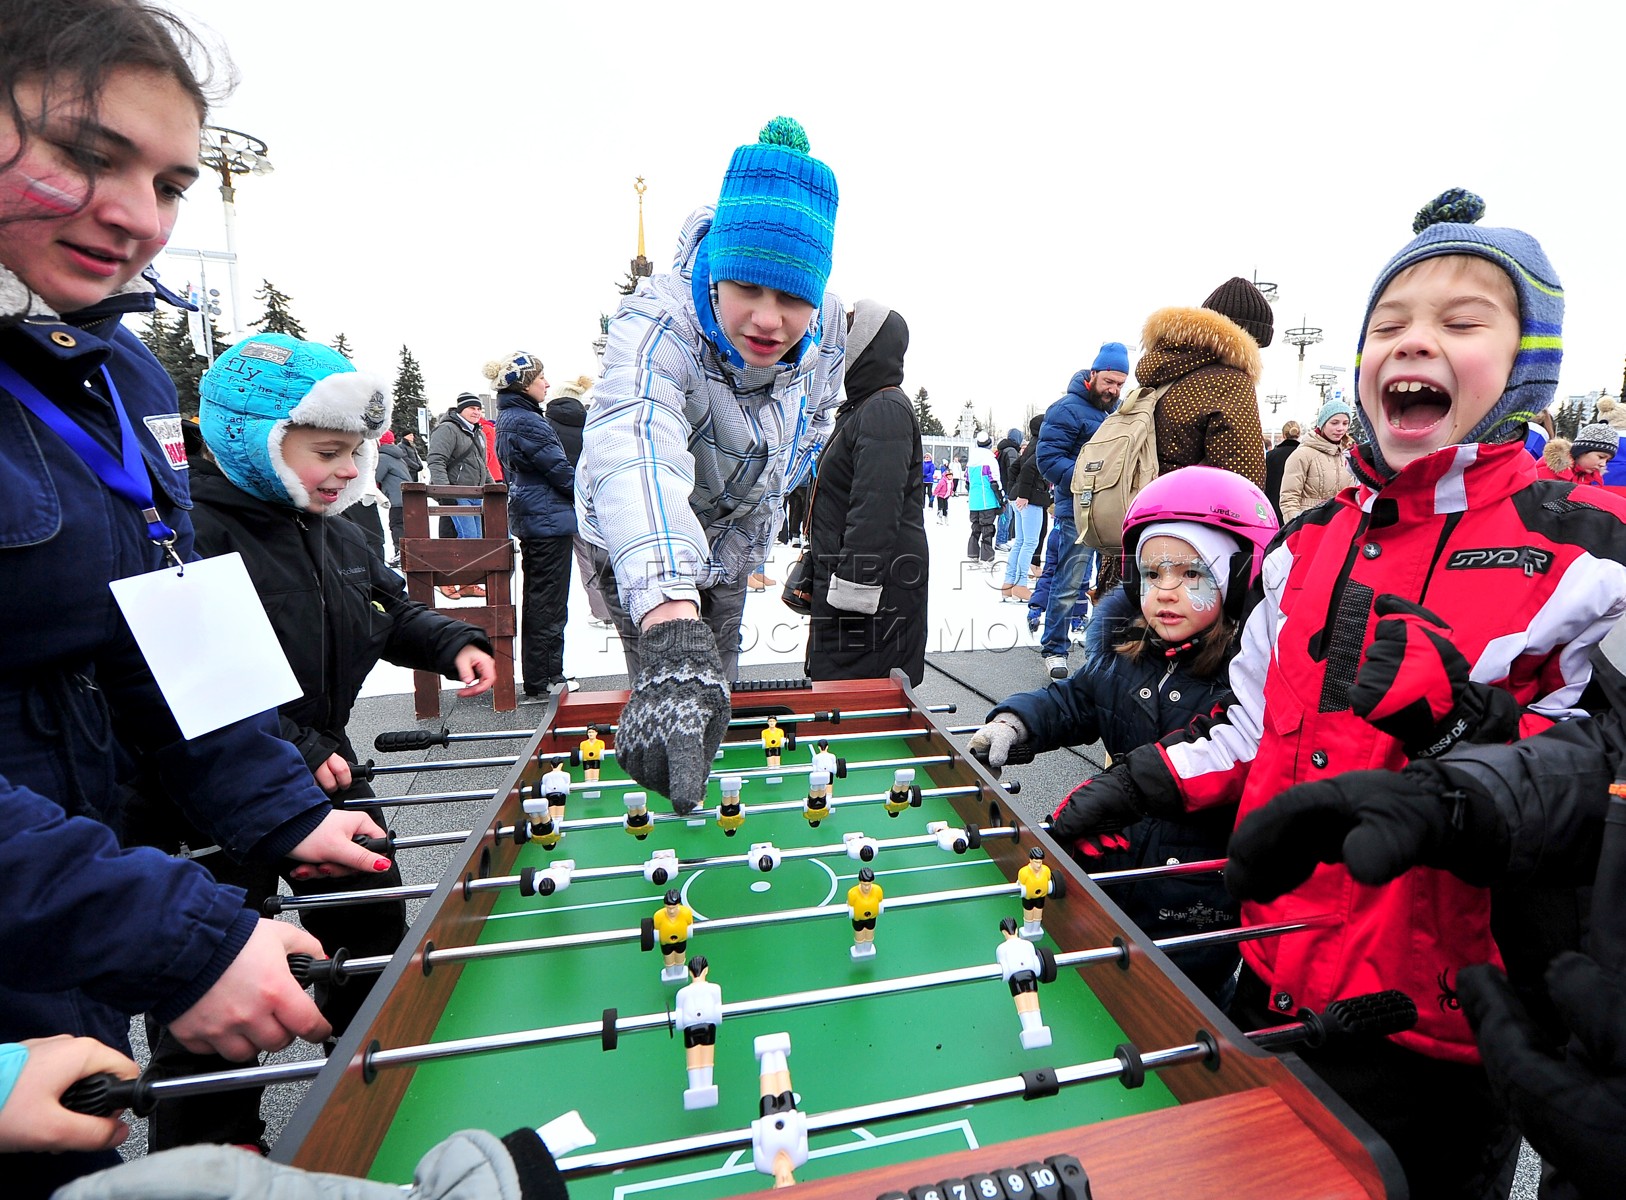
381,864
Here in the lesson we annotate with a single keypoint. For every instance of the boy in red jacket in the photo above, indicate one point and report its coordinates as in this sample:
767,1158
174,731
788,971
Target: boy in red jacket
1343,668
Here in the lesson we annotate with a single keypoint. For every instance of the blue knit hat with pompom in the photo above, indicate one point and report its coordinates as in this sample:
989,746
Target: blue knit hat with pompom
1446,225
775,223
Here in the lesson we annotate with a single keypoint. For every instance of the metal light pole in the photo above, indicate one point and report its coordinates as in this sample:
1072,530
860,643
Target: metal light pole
1305,335
231,153
1323,380
202,336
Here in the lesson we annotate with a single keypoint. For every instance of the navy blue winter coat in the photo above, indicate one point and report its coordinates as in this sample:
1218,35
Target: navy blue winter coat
541,481
93,934
1126,703
1068,424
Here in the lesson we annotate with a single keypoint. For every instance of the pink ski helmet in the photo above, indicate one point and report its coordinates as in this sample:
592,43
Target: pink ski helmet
1222,500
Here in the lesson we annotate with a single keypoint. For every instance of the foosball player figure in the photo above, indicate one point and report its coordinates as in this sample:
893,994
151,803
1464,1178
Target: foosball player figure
1019,965
638,821
730,815
773,741
779,1135
824,759
818,798
1034,877
591,752
555,789
697,1011
864,900
904,792
672,921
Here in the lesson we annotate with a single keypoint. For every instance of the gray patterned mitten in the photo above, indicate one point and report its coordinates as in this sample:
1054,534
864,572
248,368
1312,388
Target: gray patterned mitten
674,720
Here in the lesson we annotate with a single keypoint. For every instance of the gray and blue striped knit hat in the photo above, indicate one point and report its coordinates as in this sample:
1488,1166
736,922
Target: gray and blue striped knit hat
1446,225
776,216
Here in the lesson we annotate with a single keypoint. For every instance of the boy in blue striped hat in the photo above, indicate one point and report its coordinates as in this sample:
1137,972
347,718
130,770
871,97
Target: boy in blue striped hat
720,384
1448,603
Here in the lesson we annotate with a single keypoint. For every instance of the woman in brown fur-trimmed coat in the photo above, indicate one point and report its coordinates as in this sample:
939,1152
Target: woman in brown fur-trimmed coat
1209,416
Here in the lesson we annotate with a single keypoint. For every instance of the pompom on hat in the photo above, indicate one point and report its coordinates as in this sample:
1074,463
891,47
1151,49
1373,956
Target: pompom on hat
1242,302
268,382
1447,225
775,222
1597,436
515,373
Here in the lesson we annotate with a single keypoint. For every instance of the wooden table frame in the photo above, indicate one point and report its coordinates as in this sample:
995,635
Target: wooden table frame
1249,1118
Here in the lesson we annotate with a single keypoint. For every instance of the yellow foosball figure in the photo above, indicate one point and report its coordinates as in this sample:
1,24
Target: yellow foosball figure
864,902
817,807
638,821
672,921
730,813
903,793
1034,877
591,752
773,741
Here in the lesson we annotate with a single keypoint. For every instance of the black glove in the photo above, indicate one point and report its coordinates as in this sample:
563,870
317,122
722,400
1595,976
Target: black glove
674,720
1378,823
1136,786
1413,684
1570,1103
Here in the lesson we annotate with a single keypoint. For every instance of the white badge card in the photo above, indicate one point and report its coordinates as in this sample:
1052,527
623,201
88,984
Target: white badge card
208,642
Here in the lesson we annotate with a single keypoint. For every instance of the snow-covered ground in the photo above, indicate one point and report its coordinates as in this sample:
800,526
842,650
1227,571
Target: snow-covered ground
964,610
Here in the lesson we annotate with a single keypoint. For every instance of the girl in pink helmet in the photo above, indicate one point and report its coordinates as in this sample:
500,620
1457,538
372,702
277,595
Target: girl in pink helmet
1195,537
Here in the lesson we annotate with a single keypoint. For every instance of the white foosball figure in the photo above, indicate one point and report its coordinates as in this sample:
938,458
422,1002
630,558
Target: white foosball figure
859,847
1020,966
955,841
547,810
779,1135
556,877
764,856
697,1011
662,867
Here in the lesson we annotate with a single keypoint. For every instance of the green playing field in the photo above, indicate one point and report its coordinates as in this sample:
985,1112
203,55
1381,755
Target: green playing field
855,1052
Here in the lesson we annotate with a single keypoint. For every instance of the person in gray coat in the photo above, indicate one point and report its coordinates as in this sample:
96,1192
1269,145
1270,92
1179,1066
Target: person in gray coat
457,455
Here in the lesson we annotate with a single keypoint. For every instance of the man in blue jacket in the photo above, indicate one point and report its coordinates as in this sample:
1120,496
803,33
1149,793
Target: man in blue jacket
1068,424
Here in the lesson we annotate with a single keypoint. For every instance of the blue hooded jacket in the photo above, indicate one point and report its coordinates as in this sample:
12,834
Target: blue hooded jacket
1068,424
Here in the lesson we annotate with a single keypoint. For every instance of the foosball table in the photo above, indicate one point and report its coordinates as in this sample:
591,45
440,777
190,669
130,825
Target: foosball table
537,979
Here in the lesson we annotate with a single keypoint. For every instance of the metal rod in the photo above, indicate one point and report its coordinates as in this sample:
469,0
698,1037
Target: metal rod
839,714
221,1081
459,764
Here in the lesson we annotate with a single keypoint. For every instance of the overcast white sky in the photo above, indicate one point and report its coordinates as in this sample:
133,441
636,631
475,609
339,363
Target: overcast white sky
1021,185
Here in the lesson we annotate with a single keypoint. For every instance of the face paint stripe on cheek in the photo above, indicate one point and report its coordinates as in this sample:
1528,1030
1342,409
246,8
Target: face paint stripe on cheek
49,197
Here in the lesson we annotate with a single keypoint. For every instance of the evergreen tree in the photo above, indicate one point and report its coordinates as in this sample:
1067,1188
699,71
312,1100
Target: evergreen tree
930,426
171,344
342,345
409,393
1567,421
277,318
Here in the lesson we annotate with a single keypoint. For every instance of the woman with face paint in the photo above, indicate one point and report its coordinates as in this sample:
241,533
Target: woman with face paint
1195,537
100,114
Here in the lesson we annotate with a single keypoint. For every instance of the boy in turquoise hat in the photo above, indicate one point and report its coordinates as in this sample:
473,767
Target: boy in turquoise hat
291,428
720,384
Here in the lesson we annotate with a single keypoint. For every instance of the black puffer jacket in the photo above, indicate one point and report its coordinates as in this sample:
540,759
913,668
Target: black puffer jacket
336,608
567,415
1126,703
541,481
1030,484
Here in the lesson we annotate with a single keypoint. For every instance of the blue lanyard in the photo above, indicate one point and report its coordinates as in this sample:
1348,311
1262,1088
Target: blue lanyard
128,478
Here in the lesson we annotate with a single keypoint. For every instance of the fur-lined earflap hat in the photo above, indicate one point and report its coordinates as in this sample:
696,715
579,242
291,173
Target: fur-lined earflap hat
269,381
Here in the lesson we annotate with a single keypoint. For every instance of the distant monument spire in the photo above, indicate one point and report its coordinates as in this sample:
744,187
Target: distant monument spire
641,266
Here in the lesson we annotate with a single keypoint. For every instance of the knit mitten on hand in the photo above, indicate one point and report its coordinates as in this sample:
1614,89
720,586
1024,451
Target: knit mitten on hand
674,721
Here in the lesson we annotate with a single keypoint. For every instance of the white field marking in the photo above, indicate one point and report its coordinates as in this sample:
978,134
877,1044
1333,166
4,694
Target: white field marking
864,1140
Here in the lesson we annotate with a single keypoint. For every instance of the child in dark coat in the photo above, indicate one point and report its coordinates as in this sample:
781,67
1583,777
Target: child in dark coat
291,430
1197,535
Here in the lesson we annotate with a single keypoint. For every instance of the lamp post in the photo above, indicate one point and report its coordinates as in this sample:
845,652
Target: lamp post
231,153
1305,335
1323,380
